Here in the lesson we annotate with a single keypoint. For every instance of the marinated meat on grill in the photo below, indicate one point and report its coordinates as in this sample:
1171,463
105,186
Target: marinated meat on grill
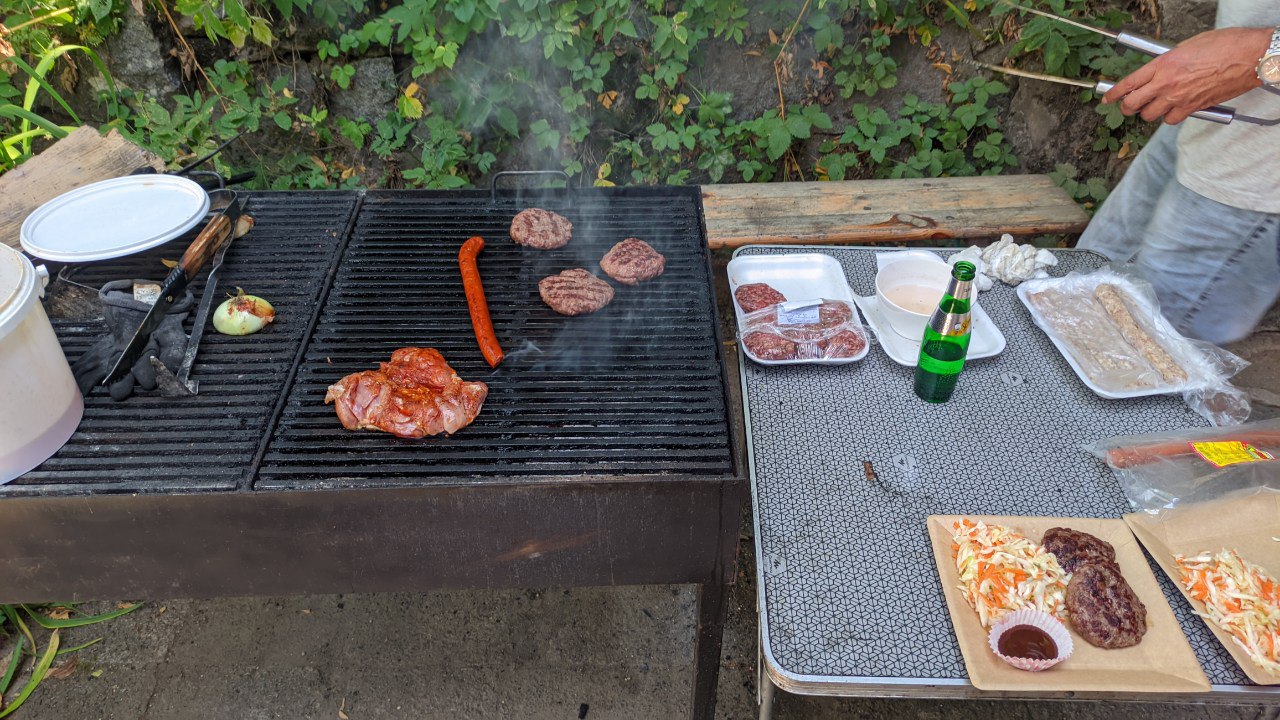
768,346
415,395
541,229
1103,608
1073,548
844,344
632,261
575,292
757,296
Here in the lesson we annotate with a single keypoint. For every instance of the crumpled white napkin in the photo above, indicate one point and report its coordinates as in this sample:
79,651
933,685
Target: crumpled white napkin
1006,261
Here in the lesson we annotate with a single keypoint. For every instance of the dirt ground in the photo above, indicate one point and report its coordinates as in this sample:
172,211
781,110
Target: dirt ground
595,653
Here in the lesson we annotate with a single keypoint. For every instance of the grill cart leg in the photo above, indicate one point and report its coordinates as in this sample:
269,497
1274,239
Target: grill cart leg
713,602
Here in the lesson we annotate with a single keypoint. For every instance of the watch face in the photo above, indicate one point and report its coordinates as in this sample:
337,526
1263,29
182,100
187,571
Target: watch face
1269,70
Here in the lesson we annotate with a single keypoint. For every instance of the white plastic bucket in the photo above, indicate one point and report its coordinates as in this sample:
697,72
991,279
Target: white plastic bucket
40,405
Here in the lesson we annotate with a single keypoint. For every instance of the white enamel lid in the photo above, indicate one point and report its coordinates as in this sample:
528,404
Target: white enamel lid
113,218
18,289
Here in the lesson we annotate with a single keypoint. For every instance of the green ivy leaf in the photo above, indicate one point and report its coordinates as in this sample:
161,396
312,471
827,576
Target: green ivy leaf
100,8
1055,52
798,126
506,119
779,141
283,121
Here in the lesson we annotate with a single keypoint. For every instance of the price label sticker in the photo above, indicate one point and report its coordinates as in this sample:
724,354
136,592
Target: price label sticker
800,312
1233,452
148,293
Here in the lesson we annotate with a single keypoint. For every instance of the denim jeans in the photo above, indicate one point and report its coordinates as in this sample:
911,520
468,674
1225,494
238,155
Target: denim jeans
1215,268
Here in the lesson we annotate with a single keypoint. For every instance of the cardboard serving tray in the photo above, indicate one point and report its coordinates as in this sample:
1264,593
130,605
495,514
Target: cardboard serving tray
1244,524
1163,662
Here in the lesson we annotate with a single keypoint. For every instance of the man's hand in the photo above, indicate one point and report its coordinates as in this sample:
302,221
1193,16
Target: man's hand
1207,69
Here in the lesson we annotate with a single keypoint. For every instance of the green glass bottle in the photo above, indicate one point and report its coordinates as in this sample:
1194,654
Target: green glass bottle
946,338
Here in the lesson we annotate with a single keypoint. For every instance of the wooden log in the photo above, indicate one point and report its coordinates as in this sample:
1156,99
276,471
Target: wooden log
883,211
80,158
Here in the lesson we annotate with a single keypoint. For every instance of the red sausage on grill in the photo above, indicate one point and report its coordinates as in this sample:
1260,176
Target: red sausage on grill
476,303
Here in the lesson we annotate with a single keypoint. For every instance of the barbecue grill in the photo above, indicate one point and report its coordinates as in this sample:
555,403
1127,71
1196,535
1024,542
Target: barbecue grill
604,453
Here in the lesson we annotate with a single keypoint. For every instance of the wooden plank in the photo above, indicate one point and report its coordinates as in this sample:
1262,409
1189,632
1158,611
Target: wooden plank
874,211
80,158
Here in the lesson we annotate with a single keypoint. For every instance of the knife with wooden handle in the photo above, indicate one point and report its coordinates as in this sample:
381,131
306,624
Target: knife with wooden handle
217,233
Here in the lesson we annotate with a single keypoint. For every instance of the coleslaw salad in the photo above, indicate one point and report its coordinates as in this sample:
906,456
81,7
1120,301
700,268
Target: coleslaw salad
1001,572
1240,598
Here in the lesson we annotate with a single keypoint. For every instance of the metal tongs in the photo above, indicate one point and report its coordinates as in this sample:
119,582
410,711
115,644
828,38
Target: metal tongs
1148,46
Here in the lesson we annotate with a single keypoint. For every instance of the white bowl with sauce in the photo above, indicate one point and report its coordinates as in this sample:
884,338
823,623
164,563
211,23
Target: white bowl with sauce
908,291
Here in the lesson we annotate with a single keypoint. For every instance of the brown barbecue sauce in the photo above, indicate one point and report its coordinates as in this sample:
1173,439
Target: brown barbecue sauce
1027,641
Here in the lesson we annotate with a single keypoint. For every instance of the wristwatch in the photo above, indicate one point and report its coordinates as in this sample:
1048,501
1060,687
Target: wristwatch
1269,65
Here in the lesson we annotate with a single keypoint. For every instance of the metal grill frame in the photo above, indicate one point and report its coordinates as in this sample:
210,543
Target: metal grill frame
64,542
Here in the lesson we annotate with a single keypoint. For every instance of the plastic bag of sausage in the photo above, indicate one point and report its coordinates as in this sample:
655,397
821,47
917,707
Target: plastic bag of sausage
1168,469
820,330
1108,326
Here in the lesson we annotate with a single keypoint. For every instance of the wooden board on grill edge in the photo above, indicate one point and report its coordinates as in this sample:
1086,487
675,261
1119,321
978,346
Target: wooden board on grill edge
80,158
1246,525
875,211
1163,662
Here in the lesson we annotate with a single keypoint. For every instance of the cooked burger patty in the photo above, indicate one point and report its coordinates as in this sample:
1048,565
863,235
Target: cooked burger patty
768,346
757,296
1073,548
1103,608
633,261
575,292
541,229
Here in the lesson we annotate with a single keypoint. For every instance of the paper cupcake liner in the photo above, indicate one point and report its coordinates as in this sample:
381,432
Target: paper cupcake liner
1035,618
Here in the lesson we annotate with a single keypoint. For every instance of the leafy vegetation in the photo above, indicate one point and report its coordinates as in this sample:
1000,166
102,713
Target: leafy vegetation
603,88
54,618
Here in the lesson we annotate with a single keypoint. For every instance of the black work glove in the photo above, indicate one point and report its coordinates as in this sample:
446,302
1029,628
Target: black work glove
123,315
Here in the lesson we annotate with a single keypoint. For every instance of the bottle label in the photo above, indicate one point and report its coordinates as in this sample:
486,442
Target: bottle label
1233,452
950,324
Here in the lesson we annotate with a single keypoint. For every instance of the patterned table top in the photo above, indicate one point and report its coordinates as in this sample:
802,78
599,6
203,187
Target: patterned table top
849,593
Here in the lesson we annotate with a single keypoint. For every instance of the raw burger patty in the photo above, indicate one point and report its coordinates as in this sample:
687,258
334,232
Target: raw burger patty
757,296
831,315
844,344
575,292
767,346
1074,548
541,229
632,261
1103,608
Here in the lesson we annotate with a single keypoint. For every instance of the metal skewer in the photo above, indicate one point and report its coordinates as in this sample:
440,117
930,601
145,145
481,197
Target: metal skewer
1217,113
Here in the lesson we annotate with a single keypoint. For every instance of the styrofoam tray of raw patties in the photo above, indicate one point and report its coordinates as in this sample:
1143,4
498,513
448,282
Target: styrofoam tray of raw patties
800,277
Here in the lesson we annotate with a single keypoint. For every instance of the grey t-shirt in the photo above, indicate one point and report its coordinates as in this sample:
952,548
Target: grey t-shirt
1236,164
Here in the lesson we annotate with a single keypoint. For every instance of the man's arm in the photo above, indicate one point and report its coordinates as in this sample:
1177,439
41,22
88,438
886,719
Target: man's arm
1207,69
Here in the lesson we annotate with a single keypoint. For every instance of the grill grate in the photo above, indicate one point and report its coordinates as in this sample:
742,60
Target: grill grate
636,389
205,443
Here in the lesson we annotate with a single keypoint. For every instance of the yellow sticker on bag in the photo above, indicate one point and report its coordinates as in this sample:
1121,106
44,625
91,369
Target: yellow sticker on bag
1233,452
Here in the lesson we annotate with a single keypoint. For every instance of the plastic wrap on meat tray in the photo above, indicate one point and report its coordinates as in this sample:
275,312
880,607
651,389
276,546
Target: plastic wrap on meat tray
1110,326
1167,469
831,331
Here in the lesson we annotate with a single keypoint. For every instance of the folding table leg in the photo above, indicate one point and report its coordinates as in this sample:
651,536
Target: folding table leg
713,603
766,697
764,685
